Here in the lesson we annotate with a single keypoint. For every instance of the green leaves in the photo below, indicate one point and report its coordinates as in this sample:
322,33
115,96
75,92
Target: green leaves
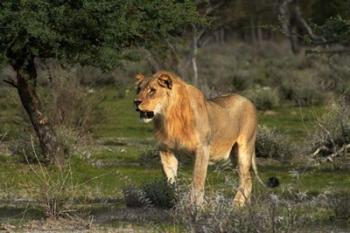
335,30
87,31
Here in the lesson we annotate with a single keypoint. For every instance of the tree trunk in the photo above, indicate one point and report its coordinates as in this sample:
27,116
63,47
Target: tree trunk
293,24
252,30
194,58
26,84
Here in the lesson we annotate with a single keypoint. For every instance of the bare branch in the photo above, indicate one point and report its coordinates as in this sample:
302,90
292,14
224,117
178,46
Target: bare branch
3,136
343,149
335,51
318,150
11,83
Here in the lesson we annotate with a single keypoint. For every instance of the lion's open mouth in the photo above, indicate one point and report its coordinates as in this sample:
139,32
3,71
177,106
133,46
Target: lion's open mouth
146,115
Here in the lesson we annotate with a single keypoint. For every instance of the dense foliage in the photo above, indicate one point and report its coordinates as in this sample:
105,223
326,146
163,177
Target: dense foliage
86,31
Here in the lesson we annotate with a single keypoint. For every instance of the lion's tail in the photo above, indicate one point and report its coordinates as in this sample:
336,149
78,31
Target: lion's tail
272,182
255,169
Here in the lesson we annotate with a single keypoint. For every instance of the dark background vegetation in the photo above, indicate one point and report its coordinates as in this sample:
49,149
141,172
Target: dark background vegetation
72,150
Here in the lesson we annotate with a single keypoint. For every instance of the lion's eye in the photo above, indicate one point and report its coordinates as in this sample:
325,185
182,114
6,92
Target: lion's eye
152,91
138,90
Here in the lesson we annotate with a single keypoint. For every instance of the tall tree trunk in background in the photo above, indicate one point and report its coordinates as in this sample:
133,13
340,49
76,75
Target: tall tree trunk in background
259,34
194,55
252,30
26,86
293,24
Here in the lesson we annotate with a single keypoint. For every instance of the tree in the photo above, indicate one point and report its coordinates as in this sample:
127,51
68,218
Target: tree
80,31
324,9
293,24
334,31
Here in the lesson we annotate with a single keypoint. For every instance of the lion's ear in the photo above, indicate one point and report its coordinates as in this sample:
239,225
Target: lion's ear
165,80
139,78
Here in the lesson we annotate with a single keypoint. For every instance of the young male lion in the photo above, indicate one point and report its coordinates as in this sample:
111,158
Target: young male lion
209,129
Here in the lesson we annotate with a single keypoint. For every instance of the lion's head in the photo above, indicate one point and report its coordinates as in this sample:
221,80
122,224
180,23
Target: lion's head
153,94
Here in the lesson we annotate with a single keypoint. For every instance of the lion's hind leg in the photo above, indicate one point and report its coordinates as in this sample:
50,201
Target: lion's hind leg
245,152
170,165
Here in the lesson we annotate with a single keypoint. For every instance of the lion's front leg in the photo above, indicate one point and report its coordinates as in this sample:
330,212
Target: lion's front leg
199,175
170,165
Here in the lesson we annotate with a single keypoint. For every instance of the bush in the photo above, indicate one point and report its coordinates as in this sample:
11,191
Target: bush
331,138
54,190
270,143
27,147
71,105
264,98
268,212
334,77
240,80
135,197
289,211
302,90
73,110
158,193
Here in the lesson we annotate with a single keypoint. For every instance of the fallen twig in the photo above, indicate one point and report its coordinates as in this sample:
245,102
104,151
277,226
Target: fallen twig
330,157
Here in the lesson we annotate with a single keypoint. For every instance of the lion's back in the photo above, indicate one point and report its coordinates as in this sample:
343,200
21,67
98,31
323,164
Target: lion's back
231,100
232,113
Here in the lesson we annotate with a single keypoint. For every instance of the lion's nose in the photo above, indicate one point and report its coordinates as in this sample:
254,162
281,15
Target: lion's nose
137,102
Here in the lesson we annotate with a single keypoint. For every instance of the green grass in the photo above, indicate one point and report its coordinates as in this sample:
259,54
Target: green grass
119,158
121,120
9,113
124,138
296,122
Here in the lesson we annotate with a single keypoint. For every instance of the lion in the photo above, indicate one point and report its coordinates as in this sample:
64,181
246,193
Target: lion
209,129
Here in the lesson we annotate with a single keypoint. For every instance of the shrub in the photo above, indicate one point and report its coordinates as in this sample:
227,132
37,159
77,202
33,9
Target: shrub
26,143
71,105
264,98
334,76
302,90
266,213
340,204
240,80
288,212
73,110
93,77
27,148
270,143
53,189
135,197
331,138
158,193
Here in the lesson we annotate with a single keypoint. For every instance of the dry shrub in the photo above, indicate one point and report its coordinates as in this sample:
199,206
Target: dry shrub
334,76
69,104
270,143
302,80
303,90
340,205
73,110
331,138
268,212
264,98
54,189
157,193
135,198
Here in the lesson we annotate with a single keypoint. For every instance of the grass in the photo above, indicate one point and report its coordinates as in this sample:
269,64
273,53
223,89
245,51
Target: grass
116,155
119,159
296,122
121,120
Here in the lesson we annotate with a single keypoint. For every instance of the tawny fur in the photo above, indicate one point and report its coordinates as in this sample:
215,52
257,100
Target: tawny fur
185,120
